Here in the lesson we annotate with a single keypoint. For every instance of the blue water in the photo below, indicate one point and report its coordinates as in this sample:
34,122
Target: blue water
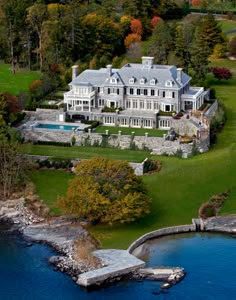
56,126
210,262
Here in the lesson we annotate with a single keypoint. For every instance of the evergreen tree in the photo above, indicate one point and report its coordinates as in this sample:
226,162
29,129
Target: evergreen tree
161,42
183,41
209,33
199,58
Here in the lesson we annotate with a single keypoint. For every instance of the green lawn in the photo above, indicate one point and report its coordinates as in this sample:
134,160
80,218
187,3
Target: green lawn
51,184
227,25
181,186
14,83
87,152
128,131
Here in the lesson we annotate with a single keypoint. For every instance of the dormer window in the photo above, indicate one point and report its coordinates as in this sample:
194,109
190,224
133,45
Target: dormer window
153,81
168,83
142,80
132,80
113,80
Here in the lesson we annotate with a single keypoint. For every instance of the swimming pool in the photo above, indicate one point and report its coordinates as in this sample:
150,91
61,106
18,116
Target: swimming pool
56,126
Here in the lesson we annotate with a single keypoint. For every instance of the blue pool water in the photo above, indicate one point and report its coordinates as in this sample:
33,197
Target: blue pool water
210,262
56,126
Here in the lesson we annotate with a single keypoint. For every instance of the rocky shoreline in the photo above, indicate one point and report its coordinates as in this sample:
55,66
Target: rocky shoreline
59,233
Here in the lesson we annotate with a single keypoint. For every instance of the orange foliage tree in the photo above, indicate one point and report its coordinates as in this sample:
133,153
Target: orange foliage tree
105,191
154,21
132,38
136,26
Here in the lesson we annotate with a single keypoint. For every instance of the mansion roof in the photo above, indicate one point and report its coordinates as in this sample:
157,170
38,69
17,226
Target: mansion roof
148,75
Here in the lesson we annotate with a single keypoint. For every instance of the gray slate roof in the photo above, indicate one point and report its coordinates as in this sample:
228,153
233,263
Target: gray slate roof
161,73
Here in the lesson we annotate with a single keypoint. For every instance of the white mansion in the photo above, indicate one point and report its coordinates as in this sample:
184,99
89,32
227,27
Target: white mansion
141,95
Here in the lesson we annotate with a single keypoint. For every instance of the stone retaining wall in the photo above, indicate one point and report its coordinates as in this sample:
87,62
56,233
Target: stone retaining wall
160,233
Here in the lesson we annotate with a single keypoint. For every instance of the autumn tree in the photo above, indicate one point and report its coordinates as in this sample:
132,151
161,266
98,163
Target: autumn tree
132,38
136,27
106,191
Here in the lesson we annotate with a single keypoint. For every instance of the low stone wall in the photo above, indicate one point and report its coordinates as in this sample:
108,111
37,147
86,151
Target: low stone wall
160,233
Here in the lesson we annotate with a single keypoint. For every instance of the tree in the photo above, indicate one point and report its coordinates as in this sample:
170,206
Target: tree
136,26
232,47
36,16
106,191
161,43
132,38
183,41
209,33
12,166
221,73
199,59
154,21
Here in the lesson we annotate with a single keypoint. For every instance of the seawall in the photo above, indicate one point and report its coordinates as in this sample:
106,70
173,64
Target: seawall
160,233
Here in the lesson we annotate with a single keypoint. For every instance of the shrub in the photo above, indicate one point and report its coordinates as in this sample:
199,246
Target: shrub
207,210
52,143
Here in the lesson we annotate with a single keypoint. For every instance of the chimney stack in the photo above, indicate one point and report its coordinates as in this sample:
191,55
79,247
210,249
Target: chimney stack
109,70
179,75
74,71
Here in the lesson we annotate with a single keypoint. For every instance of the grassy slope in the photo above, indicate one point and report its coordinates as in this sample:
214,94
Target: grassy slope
182,185
88,152
14,83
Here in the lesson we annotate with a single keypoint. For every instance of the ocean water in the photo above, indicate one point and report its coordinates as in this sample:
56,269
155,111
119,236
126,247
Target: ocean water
209,260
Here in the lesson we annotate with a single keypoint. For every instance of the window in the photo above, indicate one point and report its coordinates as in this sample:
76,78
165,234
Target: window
132,80
98,89
155,105
168,83
164,94
141,104
147,123
113,80
153,81
152,92
142,80
164,123
128,104
135,104
145,92
108,91
149,104
109,120
124,122
118,91
173,94
135,122
138,91
167,108
131,91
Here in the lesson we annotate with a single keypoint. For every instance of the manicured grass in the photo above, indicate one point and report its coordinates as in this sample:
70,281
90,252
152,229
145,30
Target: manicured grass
227,25
128,131
14,83
51,184
183,184
87,152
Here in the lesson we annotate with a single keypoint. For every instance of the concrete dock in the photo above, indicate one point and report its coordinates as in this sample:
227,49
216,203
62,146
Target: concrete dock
117,263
